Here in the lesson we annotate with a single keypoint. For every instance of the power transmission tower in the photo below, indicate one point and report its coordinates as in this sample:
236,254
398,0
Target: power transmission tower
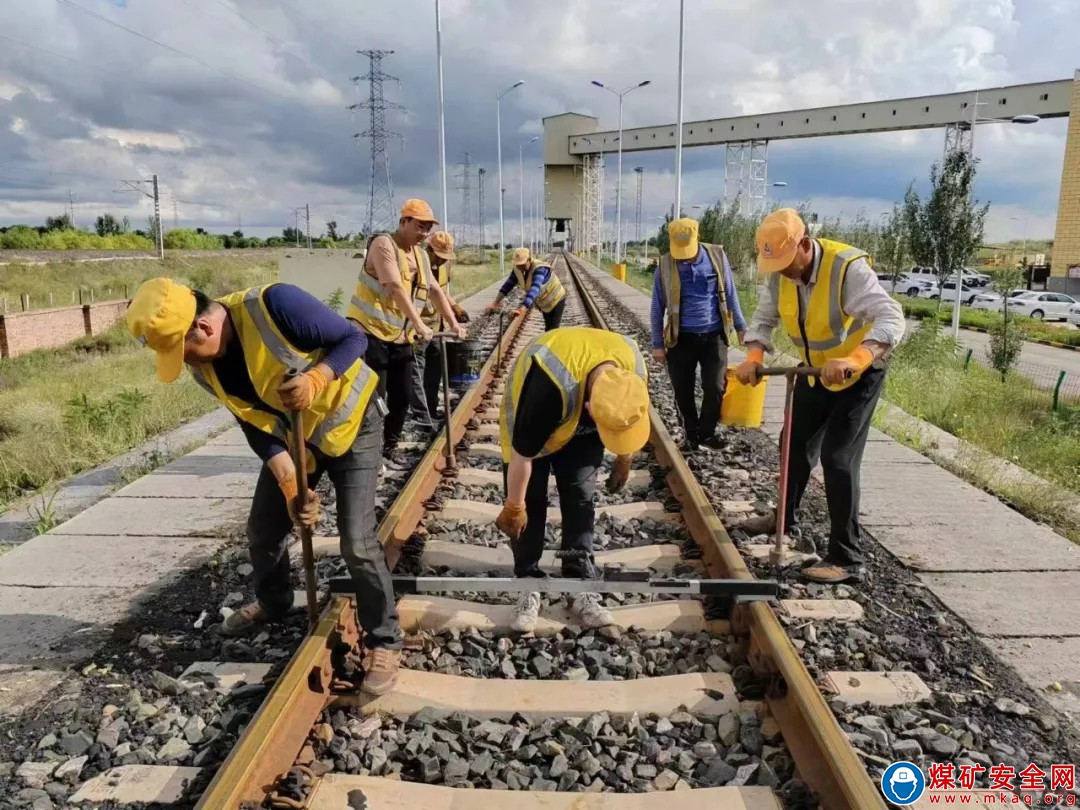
480,175
136,185
468,216
71,199
592,204
640,172
382,214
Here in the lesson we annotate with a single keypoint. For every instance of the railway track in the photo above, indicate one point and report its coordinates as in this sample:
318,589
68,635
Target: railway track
650,704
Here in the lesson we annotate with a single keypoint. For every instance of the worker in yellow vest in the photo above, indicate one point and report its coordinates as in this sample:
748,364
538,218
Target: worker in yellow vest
392,290
540,285
239,348
600,380
830,302
427,367
695,308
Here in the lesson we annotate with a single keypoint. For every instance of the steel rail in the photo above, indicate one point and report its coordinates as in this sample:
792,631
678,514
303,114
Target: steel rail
824,756
275,737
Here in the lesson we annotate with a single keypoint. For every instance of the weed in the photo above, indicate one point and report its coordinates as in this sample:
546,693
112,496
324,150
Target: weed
44,514
336,299
98,416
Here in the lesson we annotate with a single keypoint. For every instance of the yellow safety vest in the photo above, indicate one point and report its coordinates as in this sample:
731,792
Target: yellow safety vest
550,294
373,307
430,314
567,356
825,331
671,284
332,421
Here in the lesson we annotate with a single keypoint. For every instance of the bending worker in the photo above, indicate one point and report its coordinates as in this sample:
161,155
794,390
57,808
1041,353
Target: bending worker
540,285
832,306
239,348
427,368
694,308
600,380
391,291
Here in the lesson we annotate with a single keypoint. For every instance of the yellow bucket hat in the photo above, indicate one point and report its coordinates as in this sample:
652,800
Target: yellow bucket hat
159,316
619,404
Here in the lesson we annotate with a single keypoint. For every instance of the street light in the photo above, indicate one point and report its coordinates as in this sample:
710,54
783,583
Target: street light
445,213
521,188
498,137
618,182
1023,250
1025,118
777,184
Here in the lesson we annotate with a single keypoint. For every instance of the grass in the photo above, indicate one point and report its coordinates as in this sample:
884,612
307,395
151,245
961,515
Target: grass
987,319
112,280
474,274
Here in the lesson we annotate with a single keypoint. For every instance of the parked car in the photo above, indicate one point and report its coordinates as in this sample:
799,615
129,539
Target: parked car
993,300
917,287
1042,305
1074,315
948,293
969,276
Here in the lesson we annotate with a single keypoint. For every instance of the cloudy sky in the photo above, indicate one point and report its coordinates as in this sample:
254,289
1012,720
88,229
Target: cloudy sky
241,106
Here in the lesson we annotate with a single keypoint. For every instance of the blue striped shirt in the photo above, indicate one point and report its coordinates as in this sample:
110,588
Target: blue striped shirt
540,277
699,305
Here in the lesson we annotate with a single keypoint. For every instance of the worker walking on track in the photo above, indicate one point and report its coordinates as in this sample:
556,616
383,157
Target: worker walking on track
540,285
427,367
240,348
392,290
571,393
694,309
832,306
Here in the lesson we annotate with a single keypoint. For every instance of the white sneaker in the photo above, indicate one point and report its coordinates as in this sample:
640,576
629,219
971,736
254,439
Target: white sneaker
526,612
591,612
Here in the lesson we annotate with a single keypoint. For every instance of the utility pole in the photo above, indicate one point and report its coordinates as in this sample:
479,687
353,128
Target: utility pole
381,212
467,215
296,225
71,200
480,205
640,172
175,214
307,215
136,185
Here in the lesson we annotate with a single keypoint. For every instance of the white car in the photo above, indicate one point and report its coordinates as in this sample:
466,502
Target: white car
993,300
1074,315
948,293
916,286
1042,305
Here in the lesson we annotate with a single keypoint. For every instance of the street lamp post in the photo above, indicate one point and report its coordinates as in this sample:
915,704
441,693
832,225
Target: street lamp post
678,123
618,180
498,138
521,188
445,213
975,120
1023,250
778,184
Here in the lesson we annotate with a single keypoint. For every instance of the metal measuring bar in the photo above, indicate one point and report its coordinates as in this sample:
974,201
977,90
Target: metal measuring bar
299,456
451,462
739,590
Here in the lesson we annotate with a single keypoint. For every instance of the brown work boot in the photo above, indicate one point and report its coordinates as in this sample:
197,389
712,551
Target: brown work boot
243,621
758,524
381,671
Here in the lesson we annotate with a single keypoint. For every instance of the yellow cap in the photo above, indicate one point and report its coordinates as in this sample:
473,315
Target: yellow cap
778,237
619,404
683,238
418,209
159,316
442,244
521,256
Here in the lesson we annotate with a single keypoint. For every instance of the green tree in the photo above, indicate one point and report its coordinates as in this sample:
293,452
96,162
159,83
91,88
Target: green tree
106,225
946,228
60,223
1006,340
892,247
331,231
292,236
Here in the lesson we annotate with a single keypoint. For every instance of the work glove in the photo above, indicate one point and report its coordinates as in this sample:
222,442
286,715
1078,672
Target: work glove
519,311
492,308
296,394
511,520
839,369
459,313
748,371
659,355
308,517
620,473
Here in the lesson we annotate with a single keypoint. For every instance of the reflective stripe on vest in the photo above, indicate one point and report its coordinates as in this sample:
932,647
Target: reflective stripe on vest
671,284
335,415
830,332
602,346
430,314
374,308
550,294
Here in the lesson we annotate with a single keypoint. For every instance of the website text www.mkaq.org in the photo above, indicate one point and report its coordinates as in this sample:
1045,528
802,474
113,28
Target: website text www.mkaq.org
986,798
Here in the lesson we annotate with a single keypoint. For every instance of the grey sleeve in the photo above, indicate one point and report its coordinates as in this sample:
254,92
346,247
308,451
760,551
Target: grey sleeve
864,297
766,316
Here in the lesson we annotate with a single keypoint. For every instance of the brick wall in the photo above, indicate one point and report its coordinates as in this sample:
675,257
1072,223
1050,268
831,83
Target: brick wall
22,332
1066,251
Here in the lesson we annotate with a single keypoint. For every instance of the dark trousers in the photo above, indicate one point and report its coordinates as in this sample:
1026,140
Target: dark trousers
575,467
708,351
393,362
832,426
355,476
554,318
426,377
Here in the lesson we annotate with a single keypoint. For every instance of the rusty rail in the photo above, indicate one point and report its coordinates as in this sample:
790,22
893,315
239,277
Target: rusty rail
273,740
822,752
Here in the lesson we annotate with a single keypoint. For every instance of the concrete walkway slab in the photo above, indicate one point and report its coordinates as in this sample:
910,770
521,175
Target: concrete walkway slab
1012,604
1043,662
72,561
202,477
183,517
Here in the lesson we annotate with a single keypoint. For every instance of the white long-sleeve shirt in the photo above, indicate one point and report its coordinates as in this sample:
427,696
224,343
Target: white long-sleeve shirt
862,297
